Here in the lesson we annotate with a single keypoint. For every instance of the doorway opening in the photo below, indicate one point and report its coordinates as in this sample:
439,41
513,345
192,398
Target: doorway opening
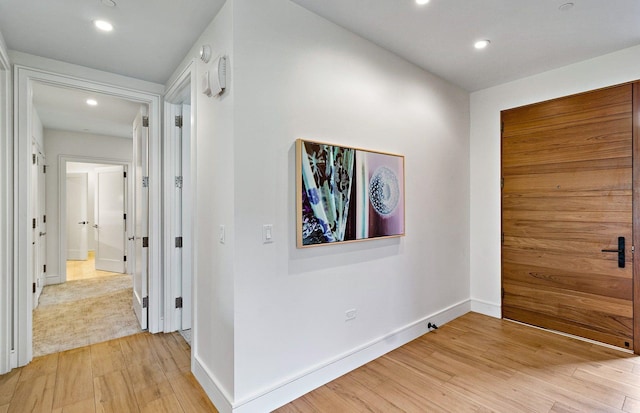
180,120
96,220
27,81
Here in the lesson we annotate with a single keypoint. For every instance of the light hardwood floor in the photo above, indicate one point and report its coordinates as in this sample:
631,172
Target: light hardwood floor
83,270
473,364
140,373
481,364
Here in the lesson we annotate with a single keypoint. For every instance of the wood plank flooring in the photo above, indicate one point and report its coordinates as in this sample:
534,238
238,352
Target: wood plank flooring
140,373
482,364
472,364
84,270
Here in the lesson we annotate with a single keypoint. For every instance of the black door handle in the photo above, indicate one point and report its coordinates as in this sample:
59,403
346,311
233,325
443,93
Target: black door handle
620,252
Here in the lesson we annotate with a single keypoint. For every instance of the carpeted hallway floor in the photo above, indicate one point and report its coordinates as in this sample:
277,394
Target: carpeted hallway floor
79,313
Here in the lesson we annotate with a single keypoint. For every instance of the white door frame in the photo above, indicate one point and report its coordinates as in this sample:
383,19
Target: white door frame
185,82
62,204
24,77
7,337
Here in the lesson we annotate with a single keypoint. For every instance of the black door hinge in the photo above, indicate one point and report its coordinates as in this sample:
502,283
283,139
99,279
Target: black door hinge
145,242
125,258
178,302
44,169
44,268
179,121
34,288
44,219
33,224
33,158
125,174
145,121
178,242
125,216
145,302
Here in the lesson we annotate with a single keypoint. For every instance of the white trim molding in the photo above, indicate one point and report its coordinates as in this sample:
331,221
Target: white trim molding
303,382
61,276
486,308
24,77
181,89
6,214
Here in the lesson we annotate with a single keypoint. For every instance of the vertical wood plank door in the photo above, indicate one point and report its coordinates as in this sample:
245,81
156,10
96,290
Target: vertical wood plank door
567,195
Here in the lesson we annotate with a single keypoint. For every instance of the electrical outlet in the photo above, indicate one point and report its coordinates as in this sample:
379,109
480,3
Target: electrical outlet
350,314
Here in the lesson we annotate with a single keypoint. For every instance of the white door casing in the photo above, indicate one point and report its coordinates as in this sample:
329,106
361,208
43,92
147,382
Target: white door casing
77,224
41,223
184,218
22,300
110,221
35,242
141,206
179,162
7,334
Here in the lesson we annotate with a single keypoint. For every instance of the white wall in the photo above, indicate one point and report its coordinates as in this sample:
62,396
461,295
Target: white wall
269,318
297,75
213,340
615,68
6,225
86,145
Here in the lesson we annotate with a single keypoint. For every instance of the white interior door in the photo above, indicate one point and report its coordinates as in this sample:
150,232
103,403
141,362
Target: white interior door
141,220
110,223
41,223
38,225
77,184
185,217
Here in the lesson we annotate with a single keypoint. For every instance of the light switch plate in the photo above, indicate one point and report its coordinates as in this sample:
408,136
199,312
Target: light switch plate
267,233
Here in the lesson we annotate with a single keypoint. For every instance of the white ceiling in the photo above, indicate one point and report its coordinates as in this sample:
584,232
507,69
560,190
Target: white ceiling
151,37
66,109
527,36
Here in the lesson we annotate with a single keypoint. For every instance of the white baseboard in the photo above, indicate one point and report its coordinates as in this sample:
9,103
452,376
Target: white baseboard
52,279
316,376
219,397
486,308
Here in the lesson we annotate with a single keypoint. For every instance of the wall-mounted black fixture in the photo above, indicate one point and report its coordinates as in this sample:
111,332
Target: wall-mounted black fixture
620,252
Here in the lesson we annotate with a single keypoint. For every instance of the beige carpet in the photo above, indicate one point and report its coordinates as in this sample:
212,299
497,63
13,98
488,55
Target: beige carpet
79,313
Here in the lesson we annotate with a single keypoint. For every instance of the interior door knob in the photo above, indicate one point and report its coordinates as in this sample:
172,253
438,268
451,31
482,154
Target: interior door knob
83,222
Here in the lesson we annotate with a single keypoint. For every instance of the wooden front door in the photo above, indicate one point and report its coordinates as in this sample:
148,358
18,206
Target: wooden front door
567,195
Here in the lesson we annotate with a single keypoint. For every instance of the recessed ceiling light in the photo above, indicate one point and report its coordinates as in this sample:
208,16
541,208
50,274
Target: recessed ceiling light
422,2
481,44
103,25
92,102
566,6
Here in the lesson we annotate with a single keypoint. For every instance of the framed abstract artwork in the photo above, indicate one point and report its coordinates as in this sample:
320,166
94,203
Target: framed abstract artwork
346,194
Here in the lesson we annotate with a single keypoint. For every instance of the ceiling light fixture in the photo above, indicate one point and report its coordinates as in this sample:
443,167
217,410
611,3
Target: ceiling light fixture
422,2
103,25
481,44
92,102
566,6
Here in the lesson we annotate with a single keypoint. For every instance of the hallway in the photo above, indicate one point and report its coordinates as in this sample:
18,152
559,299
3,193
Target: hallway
94,308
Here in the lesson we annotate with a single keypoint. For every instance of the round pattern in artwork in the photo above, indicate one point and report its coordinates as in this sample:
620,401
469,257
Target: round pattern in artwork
384,190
